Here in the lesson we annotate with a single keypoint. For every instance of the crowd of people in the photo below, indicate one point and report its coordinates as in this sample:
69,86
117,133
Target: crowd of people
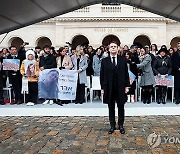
145,62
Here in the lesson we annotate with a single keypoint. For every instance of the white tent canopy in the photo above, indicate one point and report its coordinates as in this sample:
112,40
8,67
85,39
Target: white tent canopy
16,14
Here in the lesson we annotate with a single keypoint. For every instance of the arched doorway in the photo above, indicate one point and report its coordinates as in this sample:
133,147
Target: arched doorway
142,40
110,38
174,42
16,41
79,40
42,41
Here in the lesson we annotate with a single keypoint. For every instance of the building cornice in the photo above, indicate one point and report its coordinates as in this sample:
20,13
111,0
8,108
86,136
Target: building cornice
57,19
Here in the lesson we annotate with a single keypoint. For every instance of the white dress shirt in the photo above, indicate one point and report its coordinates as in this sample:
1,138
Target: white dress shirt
115,58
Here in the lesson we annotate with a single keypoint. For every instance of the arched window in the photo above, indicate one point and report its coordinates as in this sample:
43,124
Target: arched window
142,40
110,38
16,41
80,40
42,41
174,42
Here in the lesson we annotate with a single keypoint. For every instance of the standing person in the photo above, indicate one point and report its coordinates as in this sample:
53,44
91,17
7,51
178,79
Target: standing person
97,66
114,79
47,61
80,64
1,78
15,75
133,69
97,61
176,72
162,66
90,52
147,77
30,69
63,62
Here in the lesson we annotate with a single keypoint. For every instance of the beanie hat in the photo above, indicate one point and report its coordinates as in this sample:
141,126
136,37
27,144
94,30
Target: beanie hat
30,52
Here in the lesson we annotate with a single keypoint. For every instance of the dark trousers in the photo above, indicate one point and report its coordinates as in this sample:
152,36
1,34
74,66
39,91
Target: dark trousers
147,92
80,93
177,94
17,84
1,89
111,107
33,92
161,91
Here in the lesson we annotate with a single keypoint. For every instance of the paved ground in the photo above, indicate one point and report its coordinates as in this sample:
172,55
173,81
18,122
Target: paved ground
71,135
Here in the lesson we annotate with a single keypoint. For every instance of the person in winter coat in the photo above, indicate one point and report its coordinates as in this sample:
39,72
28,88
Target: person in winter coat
162,66
114,80
80,64
47,61
176,72
147,80
30,69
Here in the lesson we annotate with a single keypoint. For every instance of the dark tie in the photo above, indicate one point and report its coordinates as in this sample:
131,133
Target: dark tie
114,62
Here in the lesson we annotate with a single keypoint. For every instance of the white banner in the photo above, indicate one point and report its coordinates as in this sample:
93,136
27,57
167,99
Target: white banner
67,84
58,84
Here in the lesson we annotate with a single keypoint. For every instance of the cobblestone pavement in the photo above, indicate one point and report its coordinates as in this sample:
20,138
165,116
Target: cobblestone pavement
81,135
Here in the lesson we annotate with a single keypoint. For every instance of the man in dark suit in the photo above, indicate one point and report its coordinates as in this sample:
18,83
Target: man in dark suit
114,79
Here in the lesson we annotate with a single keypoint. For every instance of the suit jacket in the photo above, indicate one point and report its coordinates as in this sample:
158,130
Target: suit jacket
82,65
67,63
106,79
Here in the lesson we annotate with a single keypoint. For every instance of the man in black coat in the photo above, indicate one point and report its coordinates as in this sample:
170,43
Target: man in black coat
15,75
47,60
176,71
114,79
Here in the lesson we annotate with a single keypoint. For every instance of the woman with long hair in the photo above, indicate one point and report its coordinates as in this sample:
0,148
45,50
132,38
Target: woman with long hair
80,64
147,77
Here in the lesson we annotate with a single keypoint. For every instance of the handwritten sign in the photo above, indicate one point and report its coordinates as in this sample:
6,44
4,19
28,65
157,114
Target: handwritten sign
11,64
58,84
67,84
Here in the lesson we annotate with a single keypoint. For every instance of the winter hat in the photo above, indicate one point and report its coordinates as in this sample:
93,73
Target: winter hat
30,52
163,50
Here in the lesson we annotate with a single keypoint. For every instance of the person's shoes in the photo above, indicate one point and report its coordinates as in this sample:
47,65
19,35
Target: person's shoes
111,130
19,102
177,102
144,101
59,103
121,129
148,101
2,103
51,102
158,101
30,104
96,98
45,102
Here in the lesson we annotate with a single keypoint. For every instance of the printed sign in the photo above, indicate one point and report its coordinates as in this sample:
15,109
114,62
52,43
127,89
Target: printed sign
11,64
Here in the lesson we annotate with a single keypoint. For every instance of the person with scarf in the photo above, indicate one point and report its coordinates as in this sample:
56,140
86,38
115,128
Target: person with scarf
162,66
